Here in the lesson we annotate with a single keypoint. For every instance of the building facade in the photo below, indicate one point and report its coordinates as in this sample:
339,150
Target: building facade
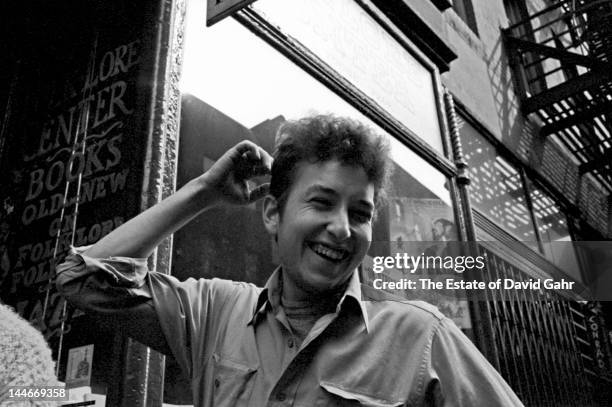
498,114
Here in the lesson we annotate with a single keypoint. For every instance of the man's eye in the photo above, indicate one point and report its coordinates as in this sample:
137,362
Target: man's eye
321,201
362,217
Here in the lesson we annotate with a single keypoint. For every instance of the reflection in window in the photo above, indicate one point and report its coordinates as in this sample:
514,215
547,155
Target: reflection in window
554,232
418,221
235,87
222,105
496,189
345,37
498,192
465,10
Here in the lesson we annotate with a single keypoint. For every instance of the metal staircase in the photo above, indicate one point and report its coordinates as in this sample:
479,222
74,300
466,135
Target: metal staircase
562,63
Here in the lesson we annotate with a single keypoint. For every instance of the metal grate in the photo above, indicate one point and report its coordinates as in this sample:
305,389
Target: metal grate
537,341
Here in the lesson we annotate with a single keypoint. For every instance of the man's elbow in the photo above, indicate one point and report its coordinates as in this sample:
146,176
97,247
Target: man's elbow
68,288
70,283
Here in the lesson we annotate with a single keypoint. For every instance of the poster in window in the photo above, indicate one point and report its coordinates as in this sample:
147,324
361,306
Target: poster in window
78,371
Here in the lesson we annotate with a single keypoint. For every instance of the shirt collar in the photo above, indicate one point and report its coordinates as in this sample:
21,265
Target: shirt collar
271,293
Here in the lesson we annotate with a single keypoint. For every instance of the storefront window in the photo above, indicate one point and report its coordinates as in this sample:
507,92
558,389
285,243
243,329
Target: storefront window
222,105
498,192
235,86
554,232
346,38
496,189
418,221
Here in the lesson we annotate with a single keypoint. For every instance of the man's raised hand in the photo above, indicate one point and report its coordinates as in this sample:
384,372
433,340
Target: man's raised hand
228,178
224,182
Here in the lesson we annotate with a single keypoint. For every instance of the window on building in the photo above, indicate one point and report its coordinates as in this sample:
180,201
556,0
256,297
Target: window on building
222,105
465,10
234,87
418,220
554,232
497,190
350,41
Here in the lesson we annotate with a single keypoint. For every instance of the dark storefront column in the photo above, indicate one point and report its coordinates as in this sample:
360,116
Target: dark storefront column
89,103
143,369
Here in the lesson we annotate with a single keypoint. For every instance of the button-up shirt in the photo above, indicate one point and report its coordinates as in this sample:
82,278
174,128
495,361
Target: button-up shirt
235,344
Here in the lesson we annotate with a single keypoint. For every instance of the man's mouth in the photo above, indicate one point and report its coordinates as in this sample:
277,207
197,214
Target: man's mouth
335,255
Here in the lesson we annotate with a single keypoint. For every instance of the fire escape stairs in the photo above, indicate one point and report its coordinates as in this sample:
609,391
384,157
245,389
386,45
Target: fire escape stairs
561,59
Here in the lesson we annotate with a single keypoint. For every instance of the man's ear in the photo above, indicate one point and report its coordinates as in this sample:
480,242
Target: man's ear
271,214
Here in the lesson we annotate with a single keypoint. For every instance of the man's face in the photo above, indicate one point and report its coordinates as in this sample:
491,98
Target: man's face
438,230
325,227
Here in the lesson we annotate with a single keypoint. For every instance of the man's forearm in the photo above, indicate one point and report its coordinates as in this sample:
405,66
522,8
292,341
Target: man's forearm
140,235
224,182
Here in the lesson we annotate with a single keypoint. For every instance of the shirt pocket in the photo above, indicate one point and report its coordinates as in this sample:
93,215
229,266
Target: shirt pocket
232,382
335,395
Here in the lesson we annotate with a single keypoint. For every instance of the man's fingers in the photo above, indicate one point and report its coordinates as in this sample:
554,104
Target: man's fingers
252,155
263,163
252,151
259,192
251,161
261,169
246,147
266,160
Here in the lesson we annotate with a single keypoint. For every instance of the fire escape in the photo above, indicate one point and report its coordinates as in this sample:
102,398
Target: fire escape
562,62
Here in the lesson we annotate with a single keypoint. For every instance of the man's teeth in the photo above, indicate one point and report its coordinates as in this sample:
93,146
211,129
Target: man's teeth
327,252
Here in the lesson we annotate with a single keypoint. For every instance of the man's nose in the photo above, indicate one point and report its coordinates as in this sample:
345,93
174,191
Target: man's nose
339,226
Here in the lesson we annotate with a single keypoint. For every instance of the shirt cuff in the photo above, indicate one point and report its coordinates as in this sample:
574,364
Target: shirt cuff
124,272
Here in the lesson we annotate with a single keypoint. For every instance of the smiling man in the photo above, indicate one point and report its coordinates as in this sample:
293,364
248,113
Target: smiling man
313,336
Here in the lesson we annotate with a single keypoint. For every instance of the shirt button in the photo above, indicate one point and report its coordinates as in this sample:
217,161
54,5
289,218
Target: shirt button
217,382
281,396
290,342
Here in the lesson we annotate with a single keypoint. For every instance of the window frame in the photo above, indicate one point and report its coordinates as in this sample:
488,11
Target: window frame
319,70
528,175
465,11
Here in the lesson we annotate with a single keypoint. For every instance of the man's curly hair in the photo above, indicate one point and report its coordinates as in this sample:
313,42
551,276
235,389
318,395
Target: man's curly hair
326,137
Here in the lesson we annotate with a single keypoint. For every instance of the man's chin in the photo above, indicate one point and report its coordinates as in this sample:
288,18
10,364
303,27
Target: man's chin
325,286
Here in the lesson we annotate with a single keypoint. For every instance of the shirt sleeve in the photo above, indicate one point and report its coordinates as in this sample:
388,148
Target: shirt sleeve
181,318
114,289
102,286
461,376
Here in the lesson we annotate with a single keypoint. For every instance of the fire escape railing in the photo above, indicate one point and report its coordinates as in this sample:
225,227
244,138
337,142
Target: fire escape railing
561,59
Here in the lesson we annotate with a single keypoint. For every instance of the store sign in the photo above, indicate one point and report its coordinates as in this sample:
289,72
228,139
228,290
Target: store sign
71,171
600,360
601,353
217,10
